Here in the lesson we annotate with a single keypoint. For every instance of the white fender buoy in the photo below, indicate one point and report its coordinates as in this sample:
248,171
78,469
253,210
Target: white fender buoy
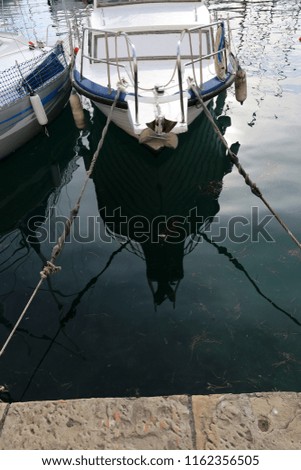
241,85
39,110
77,110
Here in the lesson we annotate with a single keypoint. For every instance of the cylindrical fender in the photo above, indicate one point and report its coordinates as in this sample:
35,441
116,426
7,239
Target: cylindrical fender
241,85
39,110
77,110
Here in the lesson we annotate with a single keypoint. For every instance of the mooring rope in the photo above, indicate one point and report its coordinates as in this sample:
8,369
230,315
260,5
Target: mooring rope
234,158
50,267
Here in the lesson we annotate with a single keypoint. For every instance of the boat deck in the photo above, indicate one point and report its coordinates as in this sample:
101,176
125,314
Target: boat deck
150,37
152,73
14,48
155,51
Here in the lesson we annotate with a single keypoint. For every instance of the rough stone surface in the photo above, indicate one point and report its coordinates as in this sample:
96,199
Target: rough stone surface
138,423
248,421
3,410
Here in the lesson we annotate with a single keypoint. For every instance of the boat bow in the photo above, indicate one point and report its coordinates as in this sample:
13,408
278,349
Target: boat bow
153,51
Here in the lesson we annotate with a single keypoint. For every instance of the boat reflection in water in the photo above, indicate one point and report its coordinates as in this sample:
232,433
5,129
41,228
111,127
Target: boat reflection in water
157,204
30,184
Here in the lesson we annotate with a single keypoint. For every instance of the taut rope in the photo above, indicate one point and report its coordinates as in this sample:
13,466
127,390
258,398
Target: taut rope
50,267
234,159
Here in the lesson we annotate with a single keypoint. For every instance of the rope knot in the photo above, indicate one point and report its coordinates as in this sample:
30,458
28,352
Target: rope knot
50,268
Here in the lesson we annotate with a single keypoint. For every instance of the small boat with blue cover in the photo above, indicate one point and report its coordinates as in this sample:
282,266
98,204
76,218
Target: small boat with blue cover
162,58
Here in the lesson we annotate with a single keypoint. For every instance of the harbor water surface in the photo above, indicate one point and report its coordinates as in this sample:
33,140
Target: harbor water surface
217,312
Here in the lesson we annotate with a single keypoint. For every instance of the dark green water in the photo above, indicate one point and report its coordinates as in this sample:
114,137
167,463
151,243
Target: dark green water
234,323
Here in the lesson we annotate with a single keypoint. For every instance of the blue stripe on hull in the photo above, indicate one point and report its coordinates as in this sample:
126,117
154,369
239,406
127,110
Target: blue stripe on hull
26,126
29,110
96,91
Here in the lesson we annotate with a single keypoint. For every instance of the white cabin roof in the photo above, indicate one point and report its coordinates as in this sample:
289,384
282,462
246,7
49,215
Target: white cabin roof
150,16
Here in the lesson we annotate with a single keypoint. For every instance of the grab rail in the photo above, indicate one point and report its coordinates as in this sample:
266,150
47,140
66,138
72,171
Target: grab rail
132,58
89,33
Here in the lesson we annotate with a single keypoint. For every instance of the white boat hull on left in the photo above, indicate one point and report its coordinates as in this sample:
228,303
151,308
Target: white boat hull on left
18,122
34,87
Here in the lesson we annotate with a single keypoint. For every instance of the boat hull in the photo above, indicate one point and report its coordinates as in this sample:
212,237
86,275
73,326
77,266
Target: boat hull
18,121
121,116
122,119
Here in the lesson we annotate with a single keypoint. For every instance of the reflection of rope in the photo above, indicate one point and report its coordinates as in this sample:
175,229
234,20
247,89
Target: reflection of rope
255,190
223,251
50,267
69,315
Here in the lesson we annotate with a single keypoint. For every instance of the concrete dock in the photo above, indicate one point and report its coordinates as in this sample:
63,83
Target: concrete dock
245,421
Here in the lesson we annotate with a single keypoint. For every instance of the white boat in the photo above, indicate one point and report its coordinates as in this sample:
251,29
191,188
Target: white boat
34,87
163,56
